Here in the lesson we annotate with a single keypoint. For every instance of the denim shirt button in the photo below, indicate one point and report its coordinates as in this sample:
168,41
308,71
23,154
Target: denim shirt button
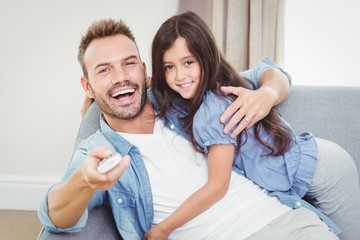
298,204
119,200
172,126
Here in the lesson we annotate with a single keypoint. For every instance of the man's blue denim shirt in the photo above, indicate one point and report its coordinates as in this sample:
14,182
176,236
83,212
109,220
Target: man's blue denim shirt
130,198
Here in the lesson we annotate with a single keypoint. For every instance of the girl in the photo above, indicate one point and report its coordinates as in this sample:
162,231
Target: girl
269,153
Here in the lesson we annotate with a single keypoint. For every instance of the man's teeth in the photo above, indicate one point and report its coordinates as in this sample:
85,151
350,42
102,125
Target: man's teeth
122,92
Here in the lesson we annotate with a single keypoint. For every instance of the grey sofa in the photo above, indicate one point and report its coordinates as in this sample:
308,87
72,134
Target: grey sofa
328,112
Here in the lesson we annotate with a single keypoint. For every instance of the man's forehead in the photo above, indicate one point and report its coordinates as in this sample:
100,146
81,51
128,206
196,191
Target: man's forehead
118,46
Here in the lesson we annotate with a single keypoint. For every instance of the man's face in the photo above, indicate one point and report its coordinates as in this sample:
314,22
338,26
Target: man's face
116,76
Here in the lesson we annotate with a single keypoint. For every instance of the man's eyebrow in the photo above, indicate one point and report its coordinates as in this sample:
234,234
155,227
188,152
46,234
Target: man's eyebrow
130,57
122,60
101,65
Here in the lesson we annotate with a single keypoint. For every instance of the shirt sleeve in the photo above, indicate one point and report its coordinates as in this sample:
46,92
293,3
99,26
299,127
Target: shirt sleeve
97,200
254,74
45,220
207,128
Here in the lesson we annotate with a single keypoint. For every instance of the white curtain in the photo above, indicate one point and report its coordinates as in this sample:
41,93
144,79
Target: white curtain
248,30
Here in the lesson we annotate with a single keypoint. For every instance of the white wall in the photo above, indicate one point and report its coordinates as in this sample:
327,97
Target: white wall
40,92
323,42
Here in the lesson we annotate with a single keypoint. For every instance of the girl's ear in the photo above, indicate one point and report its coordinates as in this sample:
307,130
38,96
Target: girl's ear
86,86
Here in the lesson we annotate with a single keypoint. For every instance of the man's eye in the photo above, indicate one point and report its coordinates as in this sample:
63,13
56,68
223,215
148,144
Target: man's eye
103,70
129,63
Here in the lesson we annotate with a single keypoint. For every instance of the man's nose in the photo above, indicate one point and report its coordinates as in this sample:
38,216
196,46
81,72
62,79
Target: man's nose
119,76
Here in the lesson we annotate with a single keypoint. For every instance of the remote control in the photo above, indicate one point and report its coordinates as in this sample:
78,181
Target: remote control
109,163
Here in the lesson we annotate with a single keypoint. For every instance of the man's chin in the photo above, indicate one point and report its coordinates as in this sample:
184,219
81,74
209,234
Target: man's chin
127,114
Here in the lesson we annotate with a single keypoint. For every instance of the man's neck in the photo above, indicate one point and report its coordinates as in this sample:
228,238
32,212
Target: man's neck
141,124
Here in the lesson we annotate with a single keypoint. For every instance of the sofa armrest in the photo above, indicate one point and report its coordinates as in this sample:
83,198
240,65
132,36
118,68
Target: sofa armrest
100,225
89,124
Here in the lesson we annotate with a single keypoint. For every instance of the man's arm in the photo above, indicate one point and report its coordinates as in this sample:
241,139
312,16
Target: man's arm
68,201
271,88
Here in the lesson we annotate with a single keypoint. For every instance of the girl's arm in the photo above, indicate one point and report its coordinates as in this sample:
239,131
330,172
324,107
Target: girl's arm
220,161
86,104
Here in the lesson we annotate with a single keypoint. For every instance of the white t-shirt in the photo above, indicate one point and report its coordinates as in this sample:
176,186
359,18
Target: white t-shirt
176,171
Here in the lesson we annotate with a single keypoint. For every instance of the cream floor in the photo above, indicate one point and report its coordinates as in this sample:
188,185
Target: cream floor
19,225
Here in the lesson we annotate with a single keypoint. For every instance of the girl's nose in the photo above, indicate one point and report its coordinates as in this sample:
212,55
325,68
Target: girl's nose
180,75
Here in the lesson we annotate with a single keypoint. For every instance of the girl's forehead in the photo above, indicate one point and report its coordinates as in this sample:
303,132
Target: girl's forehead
179,49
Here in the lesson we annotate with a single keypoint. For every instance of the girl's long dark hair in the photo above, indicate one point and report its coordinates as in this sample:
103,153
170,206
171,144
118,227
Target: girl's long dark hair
215,72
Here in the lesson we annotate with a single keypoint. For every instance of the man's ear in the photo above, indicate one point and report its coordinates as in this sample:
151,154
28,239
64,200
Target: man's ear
144,66
147,78
86,86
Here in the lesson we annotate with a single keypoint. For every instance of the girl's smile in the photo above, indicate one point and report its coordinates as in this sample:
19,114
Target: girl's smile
186,85
182,70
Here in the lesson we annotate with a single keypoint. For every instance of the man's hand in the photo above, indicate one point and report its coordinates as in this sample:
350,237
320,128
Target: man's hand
250,107
102,181
68,200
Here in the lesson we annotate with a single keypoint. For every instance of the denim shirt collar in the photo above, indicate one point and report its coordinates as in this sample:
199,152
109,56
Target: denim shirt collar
136,168
123,147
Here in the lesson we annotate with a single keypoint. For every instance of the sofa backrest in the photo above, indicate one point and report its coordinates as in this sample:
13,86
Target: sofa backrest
329,112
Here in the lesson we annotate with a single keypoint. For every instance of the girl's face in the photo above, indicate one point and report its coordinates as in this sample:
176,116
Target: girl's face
182,70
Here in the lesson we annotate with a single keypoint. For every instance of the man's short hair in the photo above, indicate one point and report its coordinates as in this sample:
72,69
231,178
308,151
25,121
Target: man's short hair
100,29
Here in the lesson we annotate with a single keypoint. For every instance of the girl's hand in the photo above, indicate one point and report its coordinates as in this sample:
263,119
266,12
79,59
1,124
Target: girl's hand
250,107
155,233
86,104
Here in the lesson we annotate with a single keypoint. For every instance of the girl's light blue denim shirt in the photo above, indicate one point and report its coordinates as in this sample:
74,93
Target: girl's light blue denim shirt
289,196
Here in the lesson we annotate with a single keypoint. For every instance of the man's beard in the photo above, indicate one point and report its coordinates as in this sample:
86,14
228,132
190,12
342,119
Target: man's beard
124,112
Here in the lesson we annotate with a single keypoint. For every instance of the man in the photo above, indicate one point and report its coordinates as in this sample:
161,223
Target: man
148,186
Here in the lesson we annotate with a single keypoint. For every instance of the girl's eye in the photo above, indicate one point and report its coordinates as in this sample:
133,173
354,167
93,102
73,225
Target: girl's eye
188,63
168,67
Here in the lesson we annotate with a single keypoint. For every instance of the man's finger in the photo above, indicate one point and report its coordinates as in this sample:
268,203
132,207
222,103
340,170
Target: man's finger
100,152
235,119
230,90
